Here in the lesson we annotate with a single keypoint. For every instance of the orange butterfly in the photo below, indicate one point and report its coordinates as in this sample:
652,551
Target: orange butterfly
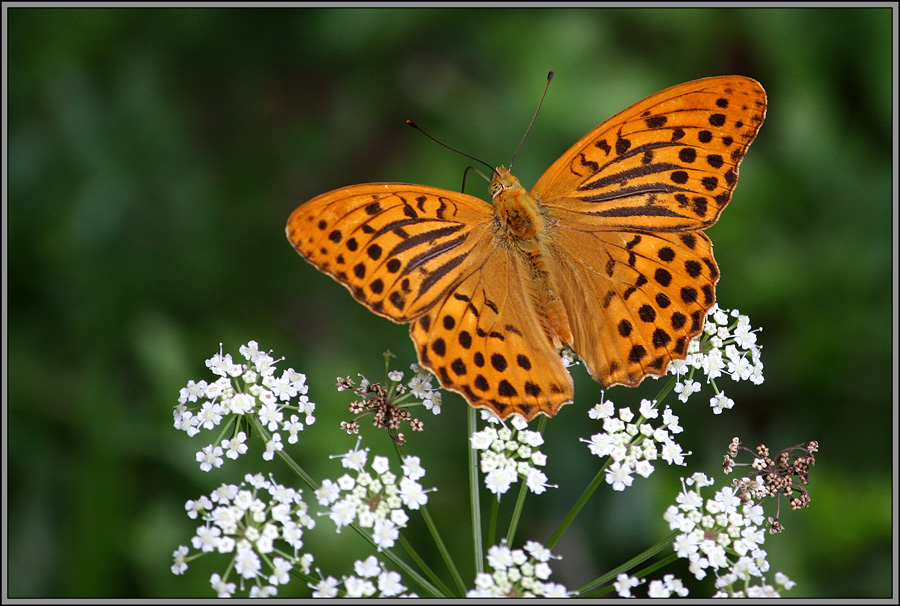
606,254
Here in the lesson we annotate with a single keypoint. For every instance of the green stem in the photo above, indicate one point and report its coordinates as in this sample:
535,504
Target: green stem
523,492
438,541
517,513
474,496
445,591
492,522
445,553
638,559
570,517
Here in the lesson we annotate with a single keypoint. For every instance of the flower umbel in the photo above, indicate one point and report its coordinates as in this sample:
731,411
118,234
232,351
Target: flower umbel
374,499
723,534
726,346
258,525
518,573
506,454
249,398
633,442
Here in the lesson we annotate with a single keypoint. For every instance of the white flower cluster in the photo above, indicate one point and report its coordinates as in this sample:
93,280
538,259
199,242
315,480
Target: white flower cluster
244,389
711,529
727,346
372,580
633,442
507,454
250,521
518,574
374,500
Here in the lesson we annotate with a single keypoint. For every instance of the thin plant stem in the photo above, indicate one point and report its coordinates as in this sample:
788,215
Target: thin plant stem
445,591
474,496
442,548
576,508
636,560
523,492
517,513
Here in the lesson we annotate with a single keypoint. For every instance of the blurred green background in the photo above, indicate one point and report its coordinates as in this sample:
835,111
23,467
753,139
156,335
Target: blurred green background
155,155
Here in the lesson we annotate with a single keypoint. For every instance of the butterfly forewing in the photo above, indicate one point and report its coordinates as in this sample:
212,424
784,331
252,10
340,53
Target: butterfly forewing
667,163
397,248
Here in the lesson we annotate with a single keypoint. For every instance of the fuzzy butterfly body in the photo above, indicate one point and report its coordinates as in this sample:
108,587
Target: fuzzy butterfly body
606,254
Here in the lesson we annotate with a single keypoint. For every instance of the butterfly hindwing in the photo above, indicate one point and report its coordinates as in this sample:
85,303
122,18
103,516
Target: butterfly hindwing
486,341
635,303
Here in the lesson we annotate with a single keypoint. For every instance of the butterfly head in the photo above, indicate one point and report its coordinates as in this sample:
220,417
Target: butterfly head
502,181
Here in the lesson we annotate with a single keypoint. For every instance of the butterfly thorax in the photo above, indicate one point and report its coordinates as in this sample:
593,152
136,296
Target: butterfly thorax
523,229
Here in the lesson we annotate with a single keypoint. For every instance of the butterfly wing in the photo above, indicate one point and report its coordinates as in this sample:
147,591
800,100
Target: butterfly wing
626,205
667,163
397,248
486,340
630,313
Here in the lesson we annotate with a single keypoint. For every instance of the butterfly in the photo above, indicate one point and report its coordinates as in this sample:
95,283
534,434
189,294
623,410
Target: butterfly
606,254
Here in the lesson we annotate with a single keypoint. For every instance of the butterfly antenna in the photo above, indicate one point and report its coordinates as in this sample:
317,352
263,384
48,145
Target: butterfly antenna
527,130
419,128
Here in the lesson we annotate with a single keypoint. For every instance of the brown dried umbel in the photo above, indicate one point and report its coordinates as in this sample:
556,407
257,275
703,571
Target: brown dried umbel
378,401
785,475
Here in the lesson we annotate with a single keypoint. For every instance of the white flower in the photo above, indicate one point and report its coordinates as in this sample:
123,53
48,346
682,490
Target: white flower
412,494
281,569
389,584
499,557
482,440
247,563
358,588
648,409
236,446
380,465
412,468
619,476
273,446
624,583
536,480
270,416
194,508
328,492
223,589
179,566
342,513
355,459
686,389
209,457
672,453
499,480
384,534
207,538
602,410
783,580
720,402
326,588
